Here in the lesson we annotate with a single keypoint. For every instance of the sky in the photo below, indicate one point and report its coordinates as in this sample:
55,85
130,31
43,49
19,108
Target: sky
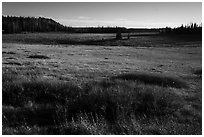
124,14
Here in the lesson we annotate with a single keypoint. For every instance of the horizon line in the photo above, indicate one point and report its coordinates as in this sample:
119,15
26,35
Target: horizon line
98,26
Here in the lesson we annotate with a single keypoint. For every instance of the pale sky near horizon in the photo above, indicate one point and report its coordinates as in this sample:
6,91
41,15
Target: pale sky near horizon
127,14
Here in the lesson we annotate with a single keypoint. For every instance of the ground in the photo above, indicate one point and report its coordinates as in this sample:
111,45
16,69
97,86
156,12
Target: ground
32,60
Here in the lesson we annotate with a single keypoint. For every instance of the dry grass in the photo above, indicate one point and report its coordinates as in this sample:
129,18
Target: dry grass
99,89
55,104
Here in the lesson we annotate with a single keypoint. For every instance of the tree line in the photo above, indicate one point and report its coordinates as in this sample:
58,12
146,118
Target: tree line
13,24
192,28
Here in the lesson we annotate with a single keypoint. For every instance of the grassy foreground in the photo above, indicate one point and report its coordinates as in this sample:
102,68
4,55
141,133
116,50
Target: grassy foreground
111,106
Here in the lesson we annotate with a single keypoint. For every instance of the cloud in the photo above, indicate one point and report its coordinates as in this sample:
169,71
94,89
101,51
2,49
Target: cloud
82,21
83,18
87,21
40,15
121,19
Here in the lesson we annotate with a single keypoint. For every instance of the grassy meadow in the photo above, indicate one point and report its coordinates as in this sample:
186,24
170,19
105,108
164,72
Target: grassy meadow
57,83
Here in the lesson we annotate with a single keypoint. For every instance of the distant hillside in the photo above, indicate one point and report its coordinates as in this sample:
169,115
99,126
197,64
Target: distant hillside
11,24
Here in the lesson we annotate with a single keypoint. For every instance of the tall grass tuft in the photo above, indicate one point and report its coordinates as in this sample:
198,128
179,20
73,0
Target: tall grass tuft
154,79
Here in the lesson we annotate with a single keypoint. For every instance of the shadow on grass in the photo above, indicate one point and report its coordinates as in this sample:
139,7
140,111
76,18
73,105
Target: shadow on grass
154,79
198,71
84,42
10,52
39,57
40,115
13,63
56,41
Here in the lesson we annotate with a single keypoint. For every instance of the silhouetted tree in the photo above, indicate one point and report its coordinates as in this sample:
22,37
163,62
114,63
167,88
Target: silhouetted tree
118,35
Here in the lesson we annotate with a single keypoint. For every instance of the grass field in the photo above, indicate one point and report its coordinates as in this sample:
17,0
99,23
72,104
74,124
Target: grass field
59,83
143,39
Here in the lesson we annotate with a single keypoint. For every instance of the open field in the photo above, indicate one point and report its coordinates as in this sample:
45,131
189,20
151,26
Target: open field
64,84
143,39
